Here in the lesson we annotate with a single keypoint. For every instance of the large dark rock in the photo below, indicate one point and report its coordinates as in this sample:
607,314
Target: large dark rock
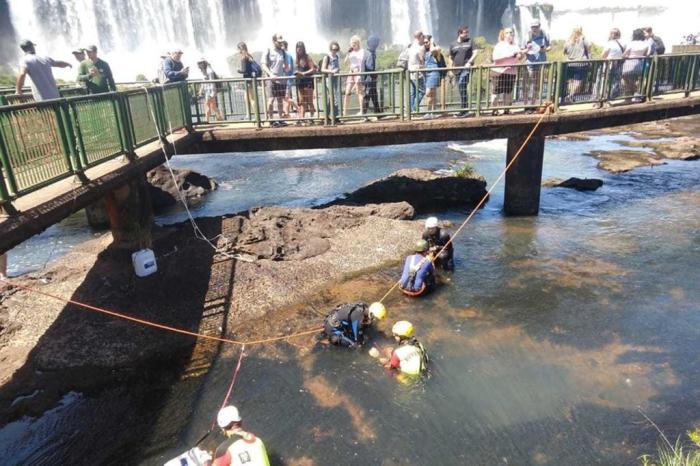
425,190
164,191
585,184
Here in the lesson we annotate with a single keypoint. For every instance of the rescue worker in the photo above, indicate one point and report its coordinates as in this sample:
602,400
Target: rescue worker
418,274
437,238
346,324
410,356
240,447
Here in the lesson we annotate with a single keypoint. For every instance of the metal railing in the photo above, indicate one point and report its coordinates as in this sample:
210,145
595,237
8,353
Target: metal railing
41,142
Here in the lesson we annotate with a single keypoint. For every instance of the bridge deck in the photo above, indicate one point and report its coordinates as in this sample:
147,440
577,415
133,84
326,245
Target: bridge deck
42,208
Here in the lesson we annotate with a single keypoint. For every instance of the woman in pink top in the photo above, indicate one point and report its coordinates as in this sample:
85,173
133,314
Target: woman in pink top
505,54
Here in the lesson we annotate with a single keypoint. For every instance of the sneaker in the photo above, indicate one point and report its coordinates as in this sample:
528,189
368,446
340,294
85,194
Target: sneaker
274,124
461,115
427,116
310,122
282,123
366,120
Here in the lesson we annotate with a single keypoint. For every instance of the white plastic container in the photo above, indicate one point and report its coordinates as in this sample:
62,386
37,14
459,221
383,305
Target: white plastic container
144,262
193,457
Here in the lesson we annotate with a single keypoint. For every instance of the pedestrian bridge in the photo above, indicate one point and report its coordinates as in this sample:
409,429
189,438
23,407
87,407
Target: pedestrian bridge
62,155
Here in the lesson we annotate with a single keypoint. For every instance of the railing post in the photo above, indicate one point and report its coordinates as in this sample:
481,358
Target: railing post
6,207
124,124
651,78
324,85
690,76
73,132
256,104
402,95
7,166
407,95
558,85
479,79
187,108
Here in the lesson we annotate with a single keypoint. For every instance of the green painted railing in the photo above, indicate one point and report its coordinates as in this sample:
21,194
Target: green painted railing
42,142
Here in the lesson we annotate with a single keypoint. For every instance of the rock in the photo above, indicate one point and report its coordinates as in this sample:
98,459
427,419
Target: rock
283,234
425,190
164,192
586,184
619,161
680,148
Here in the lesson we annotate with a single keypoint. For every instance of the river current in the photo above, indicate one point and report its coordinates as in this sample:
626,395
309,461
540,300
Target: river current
549,343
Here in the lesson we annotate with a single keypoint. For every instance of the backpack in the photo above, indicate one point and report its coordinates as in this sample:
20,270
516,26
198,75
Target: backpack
402,61
660,47
255,68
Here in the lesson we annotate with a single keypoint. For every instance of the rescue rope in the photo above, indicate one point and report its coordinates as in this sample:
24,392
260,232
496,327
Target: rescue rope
230,387
158,325
547,111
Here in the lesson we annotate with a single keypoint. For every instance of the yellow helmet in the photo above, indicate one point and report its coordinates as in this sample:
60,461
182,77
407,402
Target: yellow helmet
402,328
377,310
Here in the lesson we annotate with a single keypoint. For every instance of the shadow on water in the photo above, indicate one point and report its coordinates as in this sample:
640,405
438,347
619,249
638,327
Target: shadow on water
119,376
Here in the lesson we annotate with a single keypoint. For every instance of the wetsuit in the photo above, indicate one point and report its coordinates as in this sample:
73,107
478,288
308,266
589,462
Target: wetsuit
436,242
417,271
344,325
410,357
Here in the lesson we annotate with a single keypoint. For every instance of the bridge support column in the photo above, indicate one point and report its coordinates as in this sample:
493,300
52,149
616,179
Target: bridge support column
130,214
524,179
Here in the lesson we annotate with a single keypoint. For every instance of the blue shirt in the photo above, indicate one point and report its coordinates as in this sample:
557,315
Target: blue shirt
425,270
173,71
543,42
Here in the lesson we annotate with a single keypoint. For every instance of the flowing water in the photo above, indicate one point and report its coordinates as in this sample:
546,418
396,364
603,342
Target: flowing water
547,343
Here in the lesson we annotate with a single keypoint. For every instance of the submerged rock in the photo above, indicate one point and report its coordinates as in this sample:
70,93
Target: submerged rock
425,190
585,184
619,161
164,191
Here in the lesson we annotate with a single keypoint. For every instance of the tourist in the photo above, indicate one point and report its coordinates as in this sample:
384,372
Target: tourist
410,356
369,81
79,55
330,66
39,70
577,48
437,239
416,60
249,69
418,275
209,90
633,68
95,73
656,45
347,323
306,68
505,55
173,69
160,72
614,50
289,104
274,64
537,45
354,82
462,55
432,78
240,447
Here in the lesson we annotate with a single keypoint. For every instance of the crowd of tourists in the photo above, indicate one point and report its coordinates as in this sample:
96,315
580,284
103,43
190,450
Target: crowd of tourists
292,86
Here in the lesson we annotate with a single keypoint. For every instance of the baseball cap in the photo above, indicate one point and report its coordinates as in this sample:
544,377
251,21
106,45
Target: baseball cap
535,22
78,51
227,416
26,43
91,48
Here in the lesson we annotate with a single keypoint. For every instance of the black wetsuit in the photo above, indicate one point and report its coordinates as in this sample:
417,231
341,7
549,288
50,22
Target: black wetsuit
446,259
344,326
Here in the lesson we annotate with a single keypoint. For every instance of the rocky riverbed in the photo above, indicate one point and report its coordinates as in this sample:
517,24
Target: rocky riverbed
258,262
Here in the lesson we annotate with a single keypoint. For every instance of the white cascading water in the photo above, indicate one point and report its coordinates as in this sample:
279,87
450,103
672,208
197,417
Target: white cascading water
294,19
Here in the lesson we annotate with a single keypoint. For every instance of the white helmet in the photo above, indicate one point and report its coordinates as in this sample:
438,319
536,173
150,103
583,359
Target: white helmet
431,222
228,415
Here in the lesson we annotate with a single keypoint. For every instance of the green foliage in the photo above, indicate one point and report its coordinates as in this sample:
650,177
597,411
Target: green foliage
676,455
7,80
141,77
463,170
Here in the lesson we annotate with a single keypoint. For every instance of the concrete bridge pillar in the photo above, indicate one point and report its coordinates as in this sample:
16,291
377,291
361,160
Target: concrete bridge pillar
524,179
130,214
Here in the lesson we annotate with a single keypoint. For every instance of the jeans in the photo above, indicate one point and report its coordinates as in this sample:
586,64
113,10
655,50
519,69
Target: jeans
334,83
417,87
463,84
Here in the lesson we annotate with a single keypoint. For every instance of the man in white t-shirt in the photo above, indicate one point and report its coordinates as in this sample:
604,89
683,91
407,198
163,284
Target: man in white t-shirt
39,70
416,61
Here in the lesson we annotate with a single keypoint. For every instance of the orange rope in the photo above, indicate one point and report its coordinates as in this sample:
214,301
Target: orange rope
157,325
548,109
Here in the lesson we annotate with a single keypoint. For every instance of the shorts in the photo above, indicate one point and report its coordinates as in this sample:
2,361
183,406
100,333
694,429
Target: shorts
504,83
276,89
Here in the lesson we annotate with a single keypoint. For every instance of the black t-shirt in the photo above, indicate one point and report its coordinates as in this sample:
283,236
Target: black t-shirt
461,52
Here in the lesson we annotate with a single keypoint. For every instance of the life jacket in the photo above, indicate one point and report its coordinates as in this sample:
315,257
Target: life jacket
412,356
415,267
248,452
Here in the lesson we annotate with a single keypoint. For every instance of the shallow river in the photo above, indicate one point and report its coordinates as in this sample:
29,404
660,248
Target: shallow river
548,342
